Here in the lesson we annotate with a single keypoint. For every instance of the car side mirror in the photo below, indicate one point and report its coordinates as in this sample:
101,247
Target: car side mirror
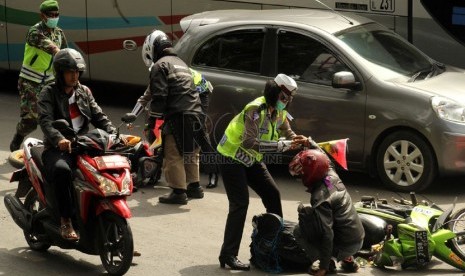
344,79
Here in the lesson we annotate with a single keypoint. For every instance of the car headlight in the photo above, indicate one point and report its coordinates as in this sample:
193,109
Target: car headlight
448,109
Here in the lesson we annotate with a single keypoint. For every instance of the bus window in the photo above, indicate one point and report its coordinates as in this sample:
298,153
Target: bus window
450,14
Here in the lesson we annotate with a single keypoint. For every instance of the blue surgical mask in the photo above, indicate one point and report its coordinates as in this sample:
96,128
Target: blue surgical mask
280,105
52,22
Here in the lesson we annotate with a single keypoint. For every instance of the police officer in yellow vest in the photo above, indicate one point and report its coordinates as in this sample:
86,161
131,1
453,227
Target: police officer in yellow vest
251,133
43,40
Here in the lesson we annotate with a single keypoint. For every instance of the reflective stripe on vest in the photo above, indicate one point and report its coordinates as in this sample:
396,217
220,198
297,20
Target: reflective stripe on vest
231,143
37,65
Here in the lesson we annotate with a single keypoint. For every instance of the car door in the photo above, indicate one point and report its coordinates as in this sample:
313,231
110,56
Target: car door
321,111
233,61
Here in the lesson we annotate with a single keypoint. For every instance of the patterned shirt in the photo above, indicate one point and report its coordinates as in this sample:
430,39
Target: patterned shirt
76,117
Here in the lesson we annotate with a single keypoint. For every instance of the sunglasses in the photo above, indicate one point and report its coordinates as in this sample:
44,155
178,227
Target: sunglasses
52,14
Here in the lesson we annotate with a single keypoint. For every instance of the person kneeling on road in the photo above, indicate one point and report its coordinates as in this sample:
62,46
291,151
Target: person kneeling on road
329,228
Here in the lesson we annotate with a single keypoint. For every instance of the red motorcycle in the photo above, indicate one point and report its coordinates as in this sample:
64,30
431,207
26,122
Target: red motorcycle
102,183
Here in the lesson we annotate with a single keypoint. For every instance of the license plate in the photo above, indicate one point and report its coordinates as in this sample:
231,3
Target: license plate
421,246
108,162
383,5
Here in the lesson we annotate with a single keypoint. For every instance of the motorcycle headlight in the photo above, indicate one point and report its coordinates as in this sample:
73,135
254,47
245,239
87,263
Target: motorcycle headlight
126,184
448,109
108,186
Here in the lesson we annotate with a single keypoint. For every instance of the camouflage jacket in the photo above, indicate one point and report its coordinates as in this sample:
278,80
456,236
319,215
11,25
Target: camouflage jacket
40,36
41,44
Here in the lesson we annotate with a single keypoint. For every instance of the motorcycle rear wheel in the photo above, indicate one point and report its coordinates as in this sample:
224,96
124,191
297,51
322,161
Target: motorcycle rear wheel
457,225
116,244
33,205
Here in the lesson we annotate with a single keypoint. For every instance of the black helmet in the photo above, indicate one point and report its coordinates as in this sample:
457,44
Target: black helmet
153,47
68,59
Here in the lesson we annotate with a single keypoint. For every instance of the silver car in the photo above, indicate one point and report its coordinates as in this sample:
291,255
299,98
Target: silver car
402,111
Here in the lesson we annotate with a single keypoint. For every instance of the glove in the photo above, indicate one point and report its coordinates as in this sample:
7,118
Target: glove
284,145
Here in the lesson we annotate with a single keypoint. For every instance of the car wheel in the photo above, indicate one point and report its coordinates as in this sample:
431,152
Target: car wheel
405,162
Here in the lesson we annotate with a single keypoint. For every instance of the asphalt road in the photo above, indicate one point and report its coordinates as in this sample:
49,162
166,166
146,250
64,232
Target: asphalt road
180,240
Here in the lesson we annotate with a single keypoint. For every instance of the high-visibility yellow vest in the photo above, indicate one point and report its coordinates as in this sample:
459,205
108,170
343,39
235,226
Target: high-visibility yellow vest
231,143
37,65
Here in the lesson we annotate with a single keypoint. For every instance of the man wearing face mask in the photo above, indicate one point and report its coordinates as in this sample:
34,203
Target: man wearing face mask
43,41
254,131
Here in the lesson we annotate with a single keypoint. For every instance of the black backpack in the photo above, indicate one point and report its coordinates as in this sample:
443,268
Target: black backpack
274,248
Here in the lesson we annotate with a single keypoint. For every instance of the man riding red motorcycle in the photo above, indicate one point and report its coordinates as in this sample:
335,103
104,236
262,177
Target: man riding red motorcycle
66,99
72,179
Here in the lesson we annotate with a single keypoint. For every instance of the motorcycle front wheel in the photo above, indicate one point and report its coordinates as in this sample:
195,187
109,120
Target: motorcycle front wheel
116,244
33,205
457,225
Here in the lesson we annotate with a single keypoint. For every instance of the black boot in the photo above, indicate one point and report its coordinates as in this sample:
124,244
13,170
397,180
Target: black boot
16,142
194,190
175,197
233,263
212,180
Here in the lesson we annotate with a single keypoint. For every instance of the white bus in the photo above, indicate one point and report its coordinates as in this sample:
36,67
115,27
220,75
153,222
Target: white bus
110,32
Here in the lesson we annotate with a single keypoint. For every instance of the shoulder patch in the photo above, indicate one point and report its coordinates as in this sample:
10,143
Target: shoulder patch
255,115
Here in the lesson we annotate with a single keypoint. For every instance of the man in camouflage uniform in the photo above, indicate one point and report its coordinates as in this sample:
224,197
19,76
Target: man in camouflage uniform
43,40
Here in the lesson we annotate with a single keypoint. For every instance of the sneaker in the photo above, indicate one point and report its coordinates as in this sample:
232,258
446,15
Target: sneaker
16,142
173,198
349,265
194,192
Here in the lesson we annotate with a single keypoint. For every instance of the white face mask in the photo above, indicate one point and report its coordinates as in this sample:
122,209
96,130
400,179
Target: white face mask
52,22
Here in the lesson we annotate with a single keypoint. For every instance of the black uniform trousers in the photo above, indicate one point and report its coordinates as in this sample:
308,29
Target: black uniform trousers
237,178
59,166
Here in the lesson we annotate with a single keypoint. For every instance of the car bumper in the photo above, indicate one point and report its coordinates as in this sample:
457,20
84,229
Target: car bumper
451,155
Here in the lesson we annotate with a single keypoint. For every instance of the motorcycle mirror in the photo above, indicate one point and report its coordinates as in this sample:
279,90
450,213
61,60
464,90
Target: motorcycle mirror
129,118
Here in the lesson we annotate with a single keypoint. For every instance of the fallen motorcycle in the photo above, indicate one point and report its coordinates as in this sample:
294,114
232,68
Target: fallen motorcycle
409,233
101,184
145,162
406,233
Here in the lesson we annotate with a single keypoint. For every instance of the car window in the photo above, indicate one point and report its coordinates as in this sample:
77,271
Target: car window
239,50
306,59
385,48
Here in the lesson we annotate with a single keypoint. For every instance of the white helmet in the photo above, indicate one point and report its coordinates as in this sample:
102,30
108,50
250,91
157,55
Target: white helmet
286,83
154,44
